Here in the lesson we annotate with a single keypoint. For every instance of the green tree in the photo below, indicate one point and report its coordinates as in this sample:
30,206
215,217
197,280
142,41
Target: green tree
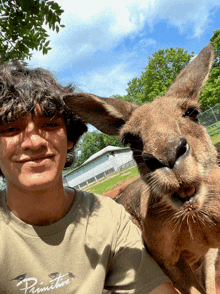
162,68
21,27
91,143
211,93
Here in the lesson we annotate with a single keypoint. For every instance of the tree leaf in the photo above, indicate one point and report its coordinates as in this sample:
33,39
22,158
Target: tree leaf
23,20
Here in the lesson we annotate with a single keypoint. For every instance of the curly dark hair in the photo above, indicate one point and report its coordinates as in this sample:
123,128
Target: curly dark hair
22,88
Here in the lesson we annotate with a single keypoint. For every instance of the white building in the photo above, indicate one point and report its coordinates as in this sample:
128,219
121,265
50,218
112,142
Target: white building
99,165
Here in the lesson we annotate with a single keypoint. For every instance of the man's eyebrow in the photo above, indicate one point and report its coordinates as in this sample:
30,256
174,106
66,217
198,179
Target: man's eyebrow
52,116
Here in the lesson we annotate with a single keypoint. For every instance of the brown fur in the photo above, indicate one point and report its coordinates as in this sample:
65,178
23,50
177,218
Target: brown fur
176,202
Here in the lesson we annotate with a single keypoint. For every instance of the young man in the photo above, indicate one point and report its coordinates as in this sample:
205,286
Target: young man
56,239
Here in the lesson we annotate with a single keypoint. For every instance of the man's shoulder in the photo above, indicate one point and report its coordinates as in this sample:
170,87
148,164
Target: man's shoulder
104,201
101,205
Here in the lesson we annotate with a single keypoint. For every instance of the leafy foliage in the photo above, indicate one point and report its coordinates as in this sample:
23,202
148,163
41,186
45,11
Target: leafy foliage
211,92
162,68
21,27
91,143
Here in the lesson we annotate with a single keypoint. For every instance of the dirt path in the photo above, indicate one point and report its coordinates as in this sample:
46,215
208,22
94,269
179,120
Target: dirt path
119,187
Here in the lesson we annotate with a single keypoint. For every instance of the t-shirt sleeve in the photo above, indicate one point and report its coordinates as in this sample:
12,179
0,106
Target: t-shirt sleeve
131,268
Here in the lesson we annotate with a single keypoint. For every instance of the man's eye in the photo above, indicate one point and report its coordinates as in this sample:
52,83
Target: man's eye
50,125
9,130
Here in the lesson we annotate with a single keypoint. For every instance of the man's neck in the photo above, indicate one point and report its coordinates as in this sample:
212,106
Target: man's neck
42,207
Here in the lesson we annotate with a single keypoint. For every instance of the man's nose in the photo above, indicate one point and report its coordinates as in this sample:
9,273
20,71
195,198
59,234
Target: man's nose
33,137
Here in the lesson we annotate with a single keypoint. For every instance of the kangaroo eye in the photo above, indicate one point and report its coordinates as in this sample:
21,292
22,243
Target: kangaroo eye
133,141
193,114
129,139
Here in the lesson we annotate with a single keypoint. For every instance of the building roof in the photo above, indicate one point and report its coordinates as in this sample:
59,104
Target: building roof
101,152
96,155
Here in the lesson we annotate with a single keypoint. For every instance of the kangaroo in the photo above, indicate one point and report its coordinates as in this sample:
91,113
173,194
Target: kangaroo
176,201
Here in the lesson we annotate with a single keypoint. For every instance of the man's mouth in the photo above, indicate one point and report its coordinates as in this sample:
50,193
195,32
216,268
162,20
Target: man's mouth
36,158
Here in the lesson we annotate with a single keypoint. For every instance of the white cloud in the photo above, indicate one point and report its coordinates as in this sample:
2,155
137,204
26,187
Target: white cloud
101,25
91,26
185,14
105,81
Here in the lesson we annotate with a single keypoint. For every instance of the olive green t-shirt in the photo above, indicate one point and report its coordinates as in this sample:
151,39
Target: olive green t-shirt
94,246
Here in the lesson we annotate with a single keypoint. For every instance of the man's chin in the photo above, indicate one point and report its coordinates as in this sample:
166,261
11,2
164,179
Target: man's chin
38,182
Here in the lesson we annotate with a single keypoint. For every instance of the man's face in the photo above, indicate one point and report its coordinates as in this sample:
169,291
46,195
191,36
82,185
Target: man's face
33,151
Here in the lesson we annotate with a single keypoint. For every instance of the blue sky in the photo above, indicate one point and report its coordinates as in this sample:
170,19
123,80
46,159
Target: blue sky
105,44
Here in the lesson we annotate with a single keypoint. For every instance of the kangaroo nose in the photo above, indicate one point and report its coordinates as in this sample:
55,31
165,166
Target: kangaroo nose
152,162
174,151
181,148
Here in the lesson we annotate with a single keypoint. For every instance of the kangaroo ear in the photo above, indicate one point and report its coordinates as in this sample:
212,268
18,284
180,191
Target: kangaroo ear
106,114
191,80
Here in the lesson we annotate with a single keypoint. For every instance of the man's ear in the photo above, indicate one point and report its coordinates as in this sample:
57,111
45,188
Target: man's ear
106,114
69,145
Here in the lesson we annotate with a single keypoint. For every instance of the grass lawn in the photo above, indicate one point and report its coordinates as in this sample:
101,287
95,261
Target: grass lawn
213,127
215,138
110,183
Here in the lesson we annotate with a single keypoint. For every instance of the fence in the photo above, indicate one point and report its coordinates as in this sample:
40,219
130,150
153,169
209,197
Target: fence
211,119
104,174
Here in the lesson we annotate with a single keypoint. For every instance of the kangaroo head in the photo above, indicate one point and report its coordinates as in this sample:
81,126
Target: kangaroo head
173,151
